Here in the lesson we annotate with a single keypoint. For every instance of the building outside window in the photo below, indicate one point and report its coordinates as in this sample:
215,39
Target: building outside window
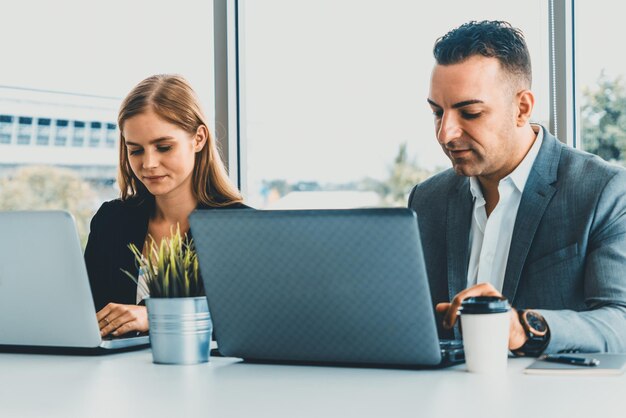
6,129
95,134
111,135
43,132
60,138
78,138
24,131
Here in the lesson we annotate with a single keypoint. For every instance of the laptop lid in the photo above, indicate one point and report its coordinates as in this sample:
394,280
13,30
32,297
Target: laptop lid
45,297
338,286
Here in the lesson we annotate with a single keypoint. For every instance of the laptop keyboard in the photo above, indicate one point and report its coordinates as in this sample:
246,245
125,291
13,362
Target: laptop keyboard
452,351
450,344
130,334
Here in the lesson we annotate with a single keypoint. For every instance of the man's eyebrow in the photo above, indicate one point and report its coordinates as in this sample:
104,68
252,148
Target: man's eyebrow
433,104
466,103
456,105
154,141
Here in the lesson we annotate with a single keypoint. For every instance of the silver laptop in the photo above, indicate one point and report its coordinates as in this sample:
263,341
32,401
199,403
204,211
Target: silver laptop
45,297
319,286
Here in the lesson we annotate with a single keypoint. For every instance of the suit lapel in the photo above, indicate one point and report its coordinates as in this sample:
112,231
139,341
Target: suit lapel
460,204
537,194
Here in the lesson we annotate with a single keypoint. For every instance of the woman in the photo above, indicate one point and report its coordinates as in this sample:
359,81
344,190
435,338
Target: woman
169,166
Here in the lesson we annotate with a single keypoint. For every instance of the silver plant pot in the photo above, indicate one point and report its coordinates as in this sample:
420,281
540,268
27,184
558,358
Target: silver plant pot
180,330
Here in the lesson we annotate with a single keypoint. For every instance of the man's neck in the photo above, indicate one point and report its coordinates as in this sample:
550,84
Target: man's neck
489,184
490,193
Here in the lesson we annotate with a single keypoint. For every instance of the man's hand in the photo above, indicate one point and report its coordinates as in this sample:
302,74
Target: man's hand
118,319
517,336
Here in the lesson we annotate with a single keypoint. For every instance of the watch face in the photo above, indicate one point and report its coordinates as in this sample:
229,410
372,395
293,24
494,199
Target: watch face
536,322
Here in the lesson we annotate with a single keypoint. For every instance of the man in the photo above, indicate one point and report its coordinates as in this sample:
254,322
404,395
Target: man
519,214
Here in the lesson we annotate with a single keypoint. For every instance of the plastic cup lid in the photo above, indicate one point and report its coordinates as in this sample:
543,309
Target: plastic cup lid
484,305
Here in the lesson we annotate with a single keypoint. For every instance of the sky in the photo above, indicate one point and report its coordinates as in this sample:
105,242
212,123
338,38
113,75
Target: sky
105,47
330,87
339,85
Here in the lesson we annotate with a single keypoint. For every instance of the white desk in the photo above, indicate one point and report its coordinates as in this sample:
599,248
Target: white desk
130,385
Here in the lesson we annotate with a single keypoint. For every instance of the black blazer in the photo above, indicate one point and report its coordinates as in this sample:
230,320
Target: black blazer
116,224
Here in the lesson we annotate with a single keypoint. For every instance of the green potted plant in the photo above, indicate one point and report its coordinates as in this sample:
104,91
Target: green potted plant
178,313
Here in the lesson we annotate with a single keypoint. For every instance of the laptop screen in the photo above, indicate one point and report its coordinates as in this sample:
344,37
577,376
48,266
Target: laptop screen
45,296
339,286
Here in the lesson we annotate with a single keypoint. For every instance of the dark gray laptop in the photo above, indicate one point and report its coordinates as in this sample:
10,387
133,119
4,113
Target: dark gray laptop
319,286
45,297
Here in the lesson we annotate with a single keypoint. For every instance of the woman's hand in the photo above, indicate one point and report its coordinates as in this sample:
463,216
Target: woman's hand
118,319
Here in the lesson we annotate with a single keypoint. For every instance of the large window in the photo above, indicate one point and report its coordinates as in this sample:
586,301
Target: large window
601,78
333,95
330,108
66,65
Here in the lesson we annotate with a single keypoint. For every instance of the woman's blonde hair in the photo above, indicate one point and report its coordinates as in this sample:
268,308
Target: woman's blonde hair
172,99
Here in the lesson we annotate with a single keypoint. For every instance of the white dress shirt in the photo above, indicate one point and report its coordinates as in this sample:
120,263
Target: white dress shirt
490,237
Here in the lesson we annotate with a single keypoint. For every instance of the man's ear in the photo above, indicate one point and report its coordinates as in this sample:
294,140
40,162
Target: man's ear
525,105
202,134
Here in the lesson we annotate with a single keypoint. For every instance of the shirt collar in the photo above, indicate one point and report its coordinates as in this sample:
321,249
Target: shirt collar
519,176
477,192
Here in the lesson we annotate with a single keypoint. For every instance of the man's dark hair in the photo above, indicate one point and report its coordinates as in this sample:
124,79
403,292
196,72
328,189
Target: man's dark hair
489,38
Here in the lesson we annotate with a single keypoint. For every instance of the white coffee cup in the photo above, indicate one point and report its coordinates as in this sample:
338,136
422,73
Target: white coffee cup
485,322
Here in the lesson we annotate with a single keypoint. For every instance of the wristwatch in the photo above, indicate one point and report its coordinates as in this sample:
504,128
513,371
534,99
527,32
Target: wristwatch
537,331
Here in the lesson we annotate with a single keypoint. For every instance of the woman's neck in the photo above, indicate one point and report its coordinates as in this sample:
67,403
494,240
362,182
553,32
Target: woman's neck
172,210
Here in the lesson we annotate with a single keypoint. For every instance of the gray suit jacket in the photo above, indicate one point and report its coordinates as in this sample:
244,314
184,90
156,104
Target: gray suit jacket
568,251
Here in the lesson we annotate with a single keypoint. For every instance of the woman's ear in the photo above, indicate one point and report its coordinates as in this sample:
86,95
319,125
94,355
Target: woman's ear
202,134
525,105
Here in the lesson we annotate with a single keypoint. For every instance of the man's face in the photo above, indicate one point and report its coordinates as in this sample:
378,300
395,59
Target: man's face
475,109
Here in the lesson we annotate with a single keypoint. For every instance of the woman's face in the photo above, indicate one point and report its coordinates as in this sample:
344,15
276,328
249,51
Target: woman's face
161,154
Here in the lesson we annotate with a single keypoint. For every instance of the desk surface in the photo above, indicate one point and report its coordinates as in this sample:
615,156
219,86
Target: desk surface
129,384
